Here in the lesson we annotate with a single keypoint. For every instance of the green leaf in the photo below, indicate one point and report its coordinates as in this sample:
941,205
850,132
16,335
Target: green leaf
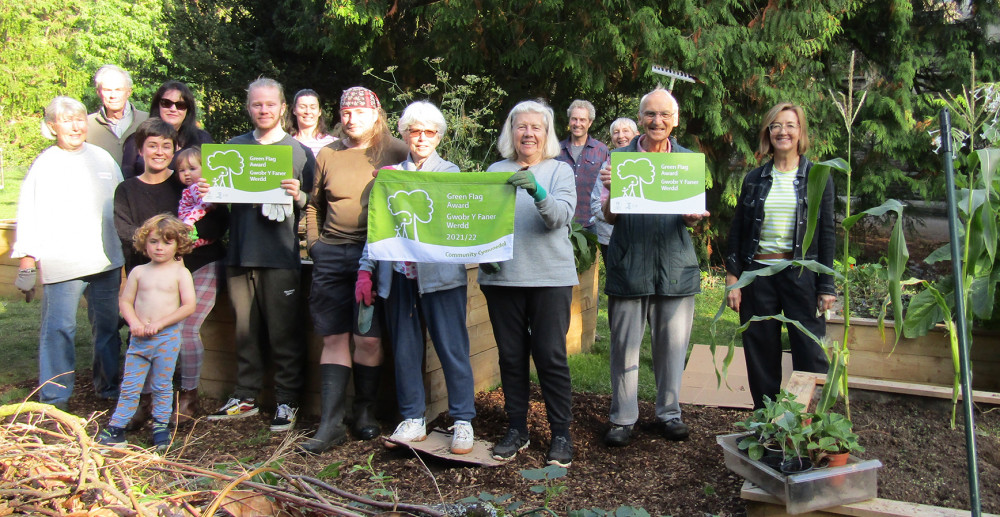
330,471
538,489
942,253
819,174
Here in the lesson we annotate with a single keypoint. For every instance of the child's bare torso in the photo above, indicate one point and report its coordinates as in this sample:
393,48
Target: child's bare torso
157,293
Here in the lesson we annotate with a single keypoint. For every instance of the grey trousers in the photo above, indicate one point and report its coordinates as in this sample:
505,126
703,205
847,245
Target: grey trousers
670,319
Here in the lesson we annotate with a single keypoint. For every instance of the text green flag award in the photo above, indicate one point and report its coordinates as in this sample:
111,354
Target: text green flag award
441,217
657,183
246,173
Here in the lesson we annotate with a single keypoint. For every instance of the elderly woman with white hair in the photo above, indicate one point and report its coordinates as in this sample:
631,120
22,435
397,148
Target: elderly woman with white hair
428,292
623,130
529,296
66,233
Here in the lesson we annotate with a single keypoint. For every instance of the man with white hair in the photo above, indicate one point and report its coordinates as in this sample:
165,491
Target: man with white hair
336,231
652,275
117,118
585,155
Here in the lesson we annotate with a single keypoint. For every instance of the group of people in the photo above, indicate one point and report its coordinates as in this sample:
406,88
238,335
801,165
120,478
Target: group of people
156,219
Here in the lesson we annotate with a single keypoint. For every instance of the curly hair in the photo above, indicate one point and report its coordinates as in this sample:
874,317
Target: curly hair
170,228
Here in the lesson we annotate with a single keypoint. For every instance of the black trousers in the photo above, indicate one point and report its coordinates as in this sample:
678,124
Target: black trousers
792,292
531,323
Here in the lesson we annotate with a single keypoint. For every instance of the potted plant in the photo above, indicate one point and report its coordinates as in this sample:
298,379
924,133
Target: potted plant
832,439
762,441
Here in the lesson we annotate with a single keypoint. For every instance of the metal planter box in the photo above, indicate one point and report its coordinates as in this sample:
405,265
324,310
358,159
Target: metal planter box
813,490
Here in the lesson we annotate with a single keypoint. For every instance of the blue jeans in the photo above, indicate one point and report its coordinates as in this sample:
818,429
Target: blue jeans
444,314
56,350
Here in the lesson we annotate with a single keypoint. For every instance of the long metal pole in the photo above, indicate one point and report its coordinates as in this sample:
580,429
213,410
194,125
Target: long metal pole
963,341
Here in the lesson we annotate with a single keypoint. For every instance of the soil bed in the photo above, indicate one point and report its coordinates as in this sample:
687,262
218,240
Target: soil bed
666,478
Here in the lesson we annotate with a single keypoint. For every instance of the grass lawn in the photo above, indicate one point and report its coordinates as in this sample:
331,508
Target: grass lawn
12,178
19,324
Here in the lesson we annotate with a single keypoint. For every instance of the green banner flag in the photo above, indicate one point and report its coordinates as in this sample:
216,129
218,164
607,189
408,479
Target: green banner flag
441,217
657,183
246,173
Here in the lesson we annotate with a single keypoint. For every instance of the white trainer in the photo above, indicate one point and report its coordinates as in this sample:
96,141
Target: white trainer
409,430
462,438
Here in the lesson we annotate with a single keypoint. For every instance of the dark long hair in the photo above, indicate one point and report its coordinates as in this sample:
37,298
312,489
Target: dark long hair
188,131
321,128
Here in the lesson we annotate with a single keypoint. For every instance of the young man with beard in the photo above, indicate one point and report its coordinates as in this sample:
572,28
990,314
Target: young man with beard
262,272
337,227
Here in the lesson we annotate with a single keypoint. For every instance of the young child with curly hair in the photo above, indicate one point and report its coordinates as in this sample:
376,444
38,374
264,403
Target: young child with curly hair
157,296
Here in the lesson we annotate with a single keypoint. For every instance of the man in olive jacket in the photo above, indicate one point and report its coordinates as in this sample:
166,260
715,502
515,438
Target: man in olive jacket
652,275
116,119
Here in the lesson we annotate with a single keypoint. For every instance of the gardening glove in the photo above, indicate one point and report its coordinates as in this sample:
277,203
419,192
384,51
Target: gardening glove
526,180
363,288
193,234
25,282
490,268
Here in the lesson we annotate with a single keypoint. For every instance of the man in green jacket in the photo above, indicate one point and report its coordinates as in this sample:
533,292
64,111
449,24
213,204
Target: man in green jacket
116,119
652,275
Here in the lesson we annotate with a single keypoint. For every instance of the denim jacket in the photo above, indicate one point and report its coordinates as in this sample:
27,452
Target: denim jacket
744,233
431,277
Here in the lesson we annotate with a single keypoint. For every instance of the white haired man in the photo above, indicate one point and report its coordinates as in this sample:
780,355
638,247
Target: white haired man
117,118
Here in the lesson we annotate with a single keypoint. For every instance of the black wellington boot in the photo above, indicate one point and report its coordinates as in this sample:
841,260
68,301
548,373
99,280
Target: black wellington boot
365,394
334,378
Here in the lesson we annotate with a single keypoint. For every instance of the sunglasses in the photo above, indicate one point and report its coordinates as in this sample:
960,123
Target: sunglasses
167,104
428,133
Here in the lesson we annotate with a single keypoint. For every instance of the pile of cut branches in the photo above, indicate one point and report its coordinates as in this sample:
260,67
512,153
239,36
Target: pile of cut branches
49,465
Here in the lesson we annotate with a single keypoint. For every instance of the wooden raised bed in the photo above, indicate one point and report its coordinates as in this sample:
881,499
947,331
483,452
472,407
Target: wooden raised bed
219,367
802,384
924,360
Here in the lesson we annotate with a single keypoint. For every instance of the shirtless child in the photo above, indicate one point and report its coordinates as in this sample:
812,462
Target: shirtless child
157,296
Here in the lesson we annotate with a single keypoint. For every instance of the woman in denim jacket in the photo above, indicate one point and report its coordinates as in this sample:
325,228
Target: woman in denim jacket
768,227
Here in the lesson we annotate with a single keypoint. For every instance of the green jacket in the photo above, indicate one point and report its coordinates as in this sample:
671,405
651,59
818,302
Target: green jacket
651,254
99,134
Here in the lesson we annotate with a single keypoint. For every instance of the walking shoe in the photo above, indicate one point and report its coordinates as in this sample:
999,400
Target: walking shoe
512,443
674,430
235,408
409,430
161,435
618,435
560,452
462,438
112,437
284,418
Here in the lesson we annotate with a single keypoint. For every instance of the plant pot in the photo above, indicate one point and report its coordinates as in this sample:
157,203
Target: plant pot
796,466
772,450
773,461
835,460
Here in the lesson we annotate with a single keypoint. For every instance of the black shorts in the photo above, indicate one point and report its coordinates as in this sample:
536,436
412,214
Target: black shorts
331,297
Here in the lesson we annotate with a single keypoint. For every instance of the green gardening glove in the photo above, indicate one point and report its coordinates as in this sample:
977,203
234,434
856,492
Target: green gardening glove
490,268
526,180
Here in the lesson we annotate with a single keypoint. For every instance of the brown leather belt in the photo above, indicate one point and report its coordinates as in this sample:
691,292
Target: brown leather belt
773,256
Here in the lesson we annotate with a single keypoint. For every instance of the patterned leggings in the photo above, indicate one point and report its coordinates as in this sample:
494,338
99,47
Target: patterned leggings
153,359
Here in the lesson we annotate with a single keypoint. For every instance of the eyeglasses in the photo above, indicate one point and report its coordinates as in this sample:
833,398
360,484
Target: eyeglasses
167,104
789,127
428,133
652,114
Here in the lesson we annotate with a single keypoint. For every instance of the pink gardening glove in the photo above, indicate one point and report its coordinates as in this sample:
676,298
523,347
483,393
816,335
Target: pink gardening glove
363,287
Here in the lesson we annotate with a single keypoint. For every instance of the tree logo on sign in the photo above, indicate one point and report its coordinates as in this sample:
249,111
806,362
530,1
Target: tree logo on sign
636,172
228,164
410,208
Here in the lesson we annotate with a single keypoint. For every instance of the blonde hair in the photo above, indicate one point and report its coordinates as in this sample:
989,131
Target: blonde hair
170,228
764,136
185,155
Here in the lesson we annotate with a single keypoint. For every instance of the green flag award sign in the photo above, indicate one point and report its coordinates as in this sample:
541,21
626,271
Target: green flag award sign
657,183
441,217
246,173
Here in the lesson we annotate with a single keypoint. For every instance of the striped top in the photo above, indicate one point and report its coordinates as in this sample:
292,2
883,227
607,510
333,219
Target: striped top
778,228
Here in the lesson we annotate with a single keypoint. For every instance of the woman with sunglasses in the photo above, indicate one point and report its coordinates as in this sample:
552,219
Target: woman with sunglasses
174,103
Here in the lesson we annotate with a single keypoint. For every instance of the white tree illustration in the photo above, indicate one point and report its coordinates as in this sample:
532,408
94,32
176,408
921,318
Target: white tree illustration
636,172
414,206
227,164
